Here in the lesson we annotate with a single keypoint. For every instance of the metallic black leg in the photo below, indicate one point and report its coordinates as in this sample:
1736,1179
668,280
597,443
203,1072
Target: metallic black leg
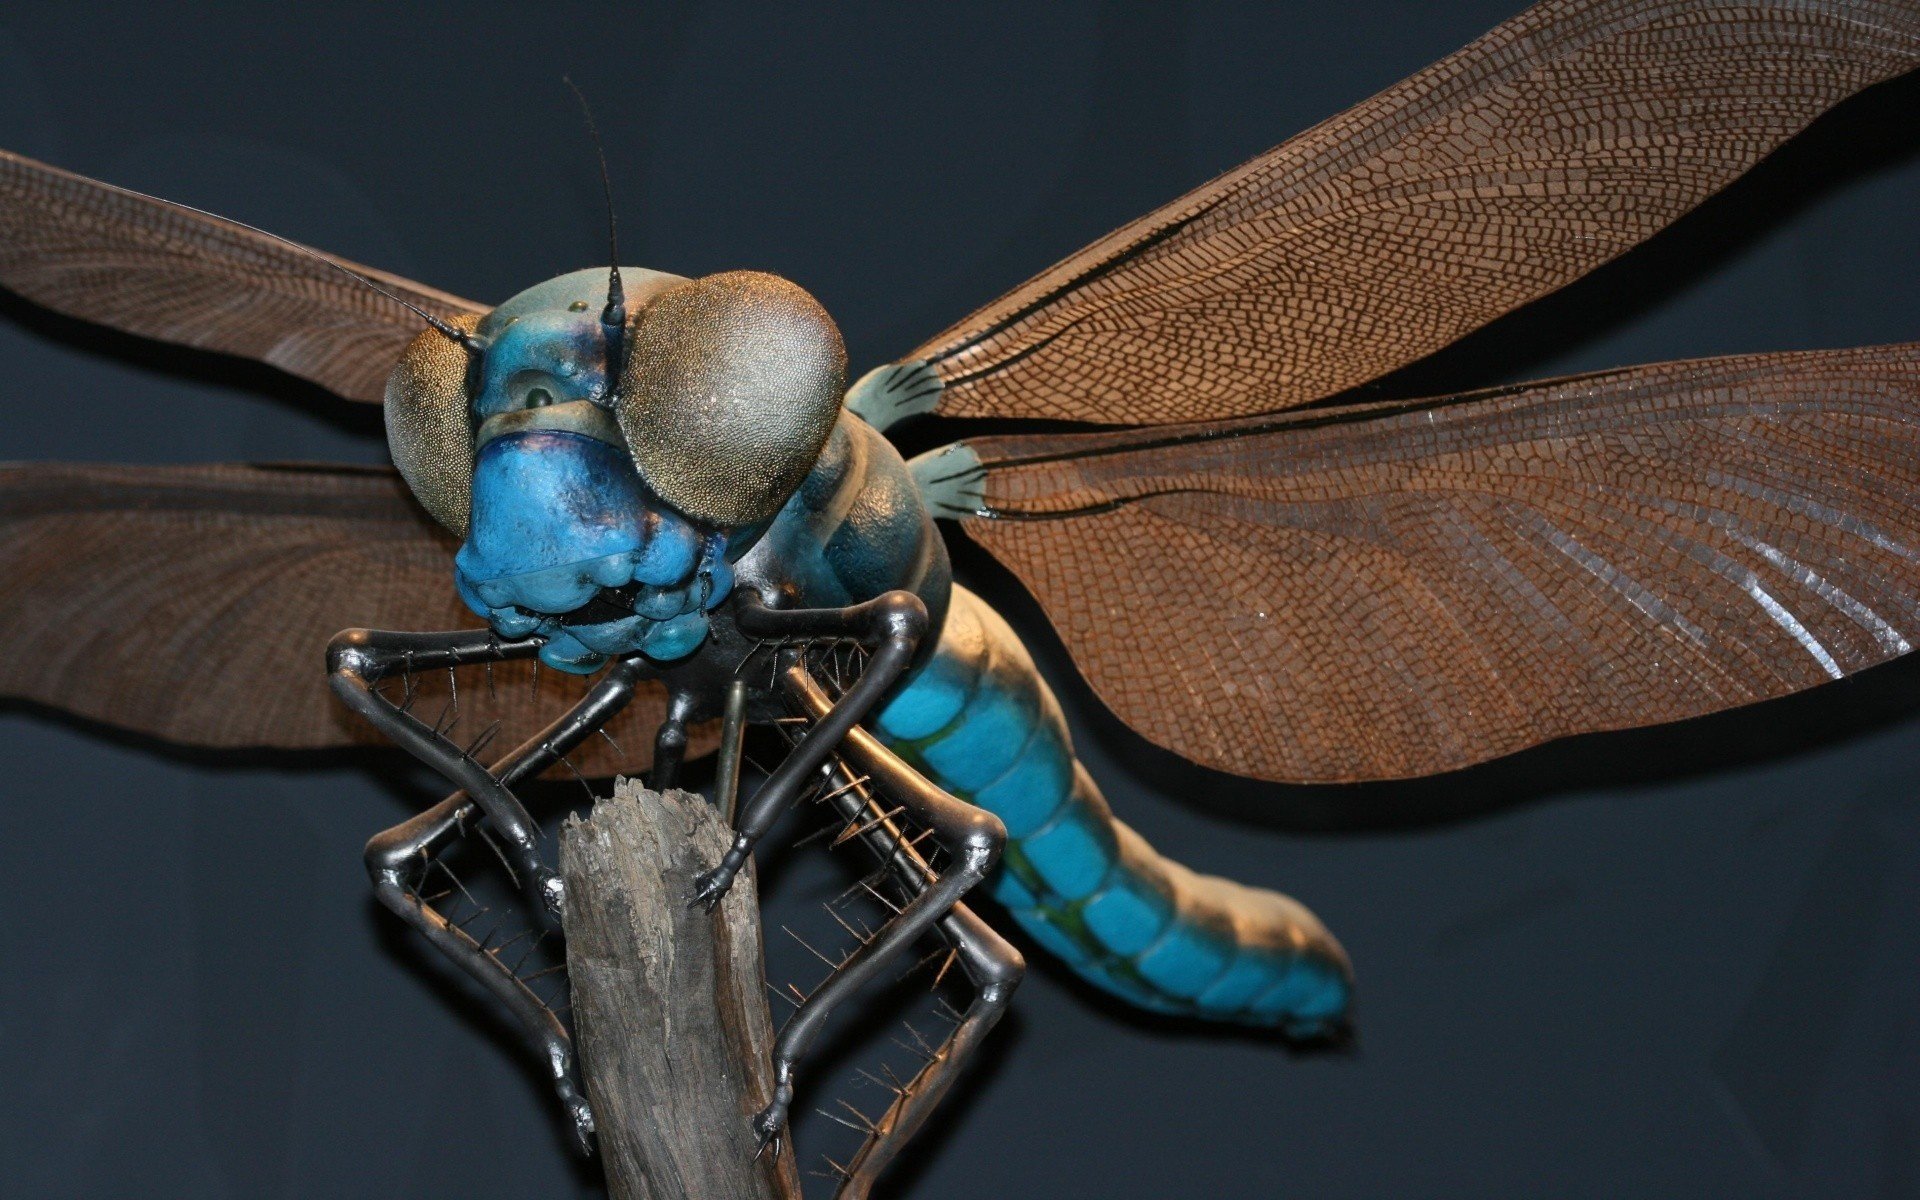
360,658
919,1096
990,962
974,836
733,730
892,625
670,744
398,858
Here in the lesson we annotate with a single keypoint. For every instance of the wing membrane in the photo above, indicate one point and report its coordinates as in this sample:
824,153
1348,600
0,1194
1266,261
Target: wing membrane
195,603
159,270
1393,590
1554,143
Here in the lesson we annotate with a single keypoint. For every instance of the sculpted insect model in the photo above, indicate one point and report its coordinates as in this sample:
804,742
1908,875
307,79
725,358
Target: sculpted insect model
661,480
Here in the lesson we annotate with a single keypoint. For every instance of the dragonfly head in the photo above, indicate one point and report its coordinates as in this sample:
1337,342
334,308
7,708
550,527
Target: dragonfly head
602,473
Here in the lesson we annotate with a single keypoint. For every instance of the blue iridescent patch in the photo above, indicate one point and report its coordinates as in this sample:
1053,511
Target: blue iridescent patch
1309,991
1251,973
557,518
1187,960
1033,788
932,700
1073,855
999,722
1128,914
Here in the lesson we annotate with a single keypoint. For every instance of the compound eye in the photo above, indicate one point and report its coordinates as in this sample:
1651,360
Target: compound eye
428,434
731,385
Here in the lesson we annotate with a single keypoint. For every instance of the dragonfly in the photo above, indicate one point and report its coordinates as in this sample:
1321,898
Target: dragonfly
1249,571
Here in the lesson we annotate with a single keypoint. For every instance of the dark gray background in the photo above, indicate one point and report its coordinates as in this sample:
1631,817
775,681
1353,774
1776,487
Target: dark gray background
1675,963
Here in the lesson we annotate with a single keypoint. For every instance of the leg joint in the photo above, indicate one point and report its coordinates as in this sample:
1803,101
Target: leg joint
352,653
982,839
388,855
1007,974
900,615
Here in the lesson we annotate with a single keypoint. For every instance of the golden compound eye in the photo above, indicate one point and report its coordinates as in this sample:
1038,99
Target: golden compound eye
731,385
427,430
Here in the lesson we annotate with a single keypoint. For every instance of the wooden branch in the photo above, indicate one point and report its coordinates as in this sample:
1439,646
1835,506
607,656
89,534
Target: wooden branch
675,1039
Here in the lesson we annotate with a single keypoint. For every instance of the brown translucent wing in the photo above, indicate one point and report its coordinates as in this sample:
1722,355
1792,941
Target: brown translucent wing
1398,589
1551,145
195,603
164,271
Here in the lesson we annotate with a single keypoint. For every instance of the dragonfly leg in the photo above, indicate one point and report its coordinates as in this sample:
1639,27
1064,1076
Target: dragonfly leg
972,835
892,626
995,968
670,744
991,964
398,860
359,659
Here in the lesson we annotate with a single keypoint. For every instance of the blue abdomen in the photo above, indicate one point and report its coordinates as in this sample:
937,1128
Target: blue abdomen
979,720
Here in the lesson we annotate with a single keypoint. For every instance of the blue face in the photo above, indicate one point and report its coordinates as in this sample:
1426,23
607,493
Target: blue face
565,540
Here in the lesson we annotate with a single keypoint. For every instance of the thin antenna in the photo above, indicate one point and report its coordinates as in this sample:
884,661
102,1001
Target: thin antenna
613,318
457,336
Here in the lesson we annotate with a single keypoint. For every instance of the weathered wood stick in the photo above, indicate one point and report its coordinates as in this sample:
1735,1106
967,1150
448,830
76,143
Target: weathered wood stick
675,1039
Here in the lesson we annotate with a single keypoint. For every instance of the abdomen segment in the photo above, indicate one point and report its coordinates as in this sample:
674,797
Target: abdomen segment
980,721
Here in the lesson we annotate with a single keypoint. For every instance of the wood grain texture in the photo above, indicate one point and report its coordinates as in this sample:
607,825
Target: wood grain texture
675,1039
1396,589
1554,143
161,270
195,603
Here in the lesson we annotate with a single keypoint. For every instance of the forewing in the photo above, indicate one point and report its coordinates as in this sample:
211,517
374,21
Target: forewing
195,603
1554,143
161,270
1393,590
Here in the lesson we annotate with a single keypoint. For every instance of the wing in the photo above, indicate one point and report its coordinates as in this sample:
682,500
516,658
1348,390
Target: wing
195,603
1552,144
165,271
1397,589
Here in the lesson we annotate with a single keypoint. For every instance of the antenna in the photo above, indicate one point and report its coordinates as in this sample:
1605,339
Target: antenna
613,318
